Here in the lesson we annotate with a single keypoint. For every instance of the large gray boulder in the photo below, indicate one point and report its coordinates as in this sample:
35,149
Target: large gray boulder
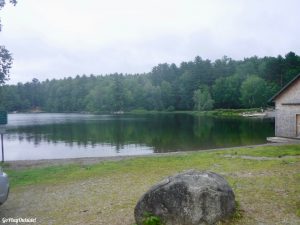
188,198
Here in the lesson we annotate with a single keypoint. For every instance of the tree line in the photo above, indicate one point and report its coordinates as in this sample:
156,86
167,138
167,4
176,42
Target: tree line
195,85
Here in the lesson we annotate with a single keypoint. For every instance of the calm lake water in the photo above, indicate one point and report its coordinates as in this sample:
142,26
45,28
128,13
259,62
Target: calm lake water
52,136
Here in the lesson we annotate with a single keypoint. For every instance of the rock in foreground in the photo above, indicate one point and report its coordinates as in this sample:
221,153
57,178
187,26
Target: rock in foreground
188,198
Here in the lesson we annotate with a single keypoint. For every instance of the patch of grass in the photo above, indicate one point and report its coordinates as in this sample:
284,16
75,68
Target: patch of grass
150,219
267,151
57,174
298,208
236,217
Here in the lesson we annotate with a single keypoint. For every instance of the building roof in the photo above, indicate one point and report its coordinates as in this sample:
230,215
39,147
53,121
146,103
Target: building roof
284,88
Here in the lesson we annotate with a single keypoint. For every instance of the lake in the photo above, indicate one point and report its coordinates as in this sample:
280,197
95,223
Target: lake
53,136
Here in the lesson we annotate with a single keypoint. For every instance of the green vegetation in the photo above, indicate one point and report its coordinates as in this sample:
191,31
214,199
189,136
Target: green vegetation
199,84
225,112
115,186
268,151
255,92
150,219
202,99
5,56
215,112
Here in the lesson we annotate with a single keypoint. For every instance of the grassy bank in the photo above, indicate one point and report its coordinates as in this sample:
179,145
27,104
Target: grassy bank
266,182
216,112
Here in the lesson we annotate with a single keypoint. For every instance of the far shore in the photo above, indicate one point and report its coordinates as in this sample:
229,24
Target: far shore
254,112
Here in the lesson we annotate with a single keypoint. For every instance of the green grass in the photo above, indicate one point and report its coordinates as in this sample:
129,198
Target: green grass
200,160
260,186
226,112
216,112
266,151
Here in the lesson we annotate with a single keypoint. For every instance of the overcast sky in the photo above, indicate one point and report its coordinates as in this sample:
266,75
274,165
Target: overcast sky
61,38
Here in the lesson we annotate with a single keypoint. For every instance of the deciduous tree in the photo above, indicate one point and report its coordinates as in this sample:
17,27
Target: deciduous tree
202,99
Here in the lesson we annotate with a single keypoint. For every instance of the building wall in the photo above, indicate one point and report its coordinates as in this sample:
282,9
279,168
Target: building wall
285,118
285,121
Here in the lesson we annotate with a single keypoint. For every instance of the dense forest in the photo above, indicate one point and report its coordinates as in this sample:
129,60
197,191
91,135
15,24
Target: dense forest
194,85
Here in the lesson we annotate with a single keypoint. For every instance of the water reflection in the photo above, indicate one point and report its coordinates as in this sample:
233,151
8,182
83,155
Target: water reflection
92,135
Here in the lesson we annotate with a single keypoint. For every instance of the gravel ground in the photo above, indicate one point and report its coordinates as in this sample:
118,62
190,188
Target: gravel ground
110,200
89,201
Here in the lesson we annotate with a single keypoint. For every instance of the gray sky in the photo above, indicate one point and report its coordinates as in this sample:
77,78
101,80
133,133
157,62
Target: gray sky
61,38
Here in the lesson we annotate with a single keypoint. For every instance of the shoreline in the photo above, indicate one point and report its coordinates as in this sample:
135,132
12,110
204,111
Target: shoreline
251,112
40,163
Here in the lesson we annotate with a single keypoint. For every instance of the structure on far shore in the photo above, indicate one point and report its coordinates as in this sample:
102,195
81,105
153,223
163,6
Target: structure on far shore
287,110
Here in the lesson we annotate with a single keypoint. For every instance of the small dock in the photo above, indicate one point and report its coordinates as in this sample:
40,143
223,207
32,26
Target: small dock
283,140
